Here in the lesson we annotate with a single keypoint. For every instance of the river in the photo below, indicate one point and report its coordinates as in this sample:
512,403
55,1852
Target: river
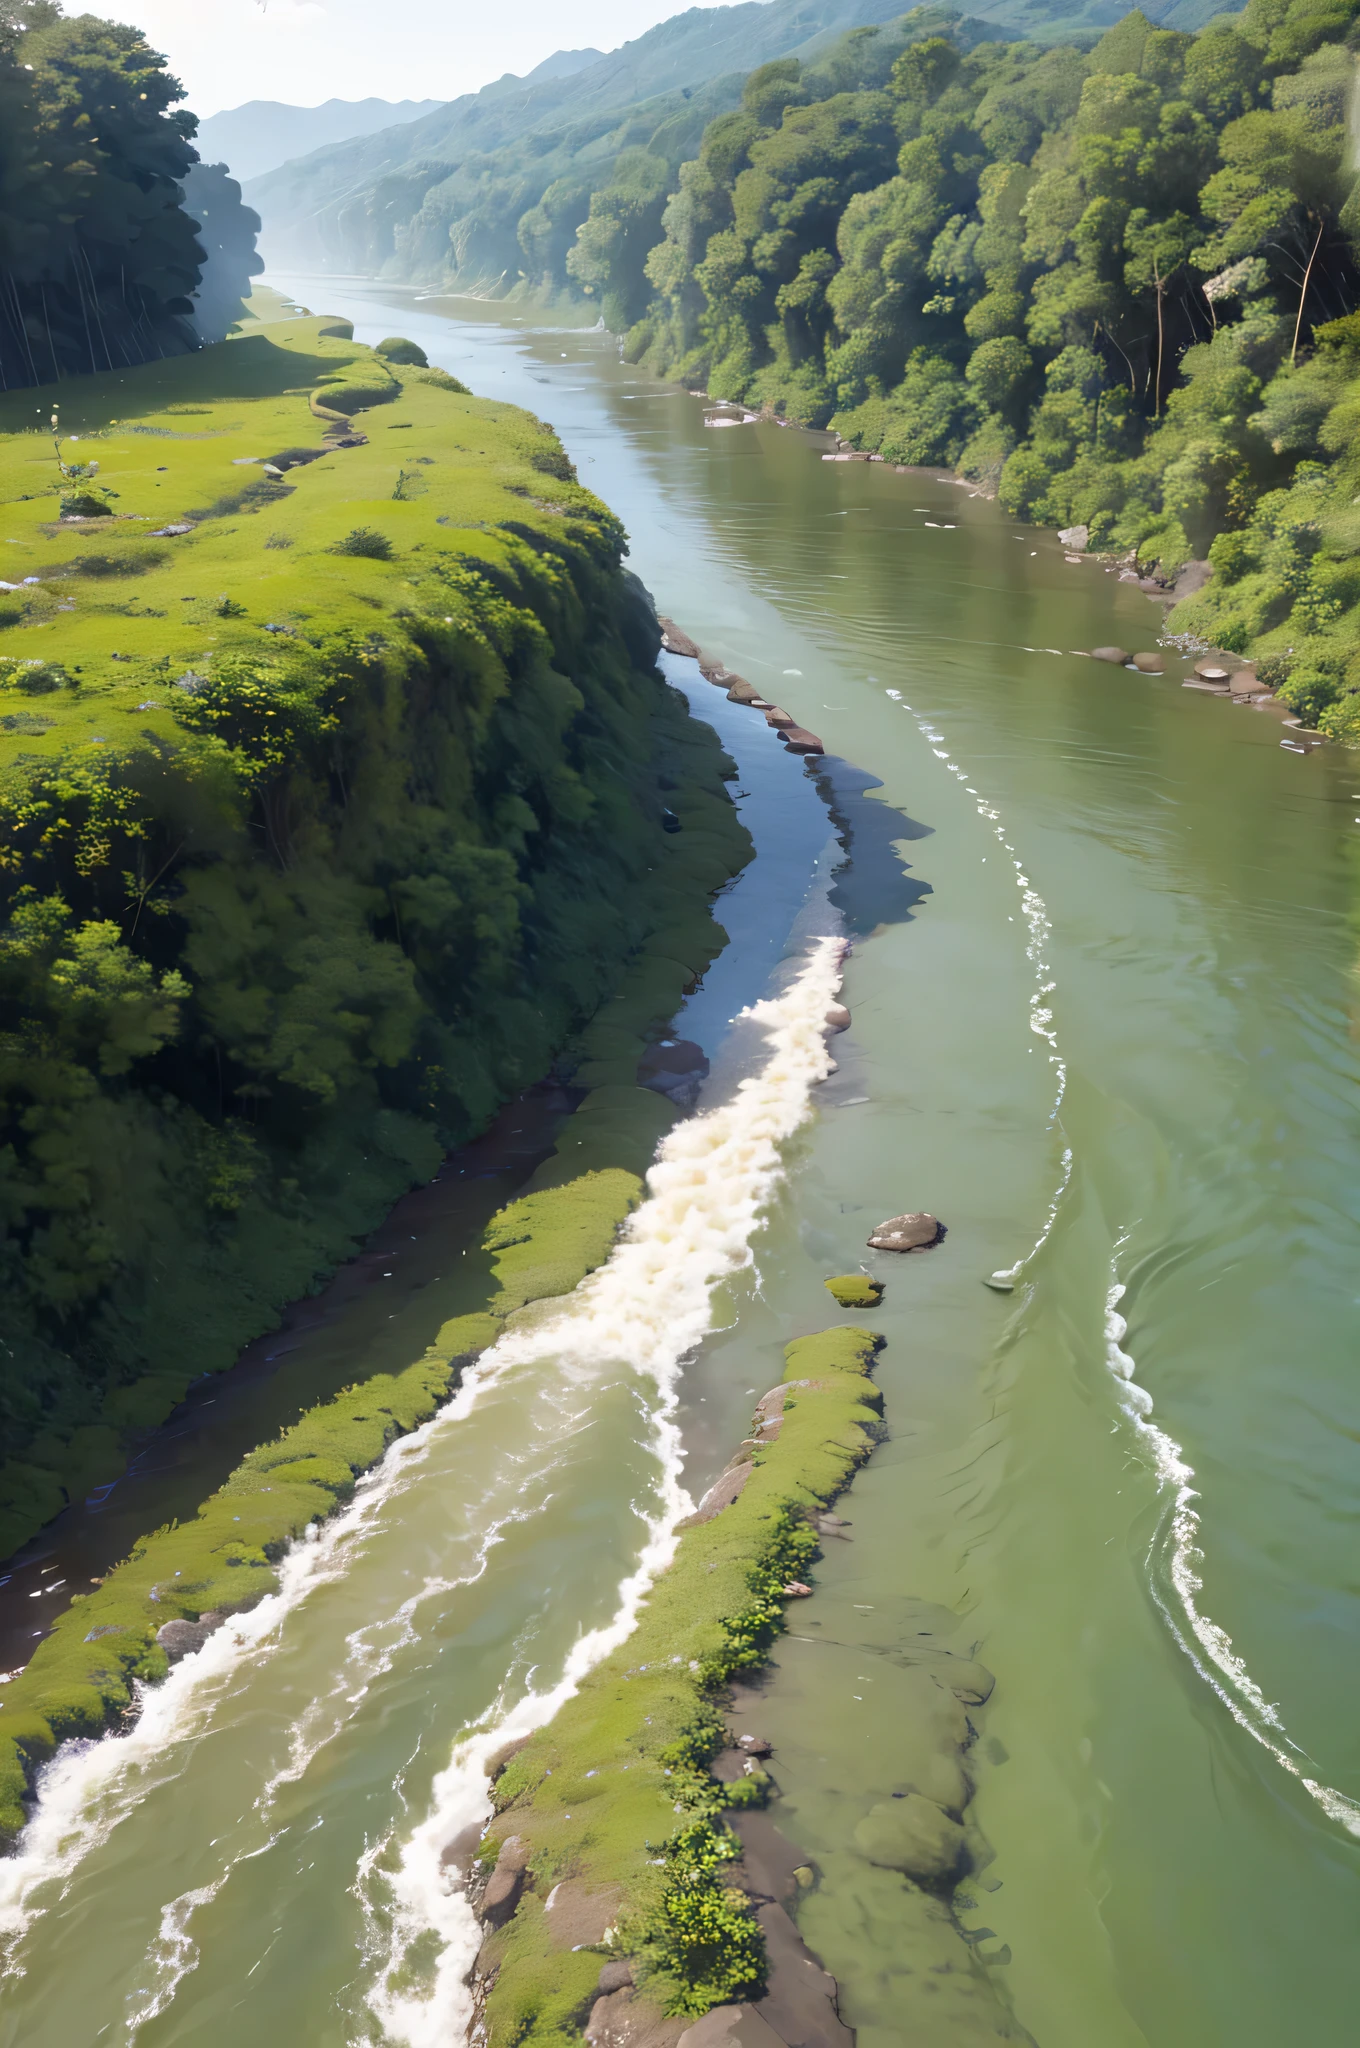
1106,1029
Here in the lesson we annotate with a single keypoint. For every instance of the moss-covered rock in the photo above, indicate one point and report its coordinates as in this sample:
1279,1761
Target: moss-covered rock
855,1290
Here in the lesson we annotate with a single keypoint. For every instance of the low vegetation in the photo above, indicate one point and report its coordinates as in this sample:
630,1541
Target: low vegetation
616,1792
82,1677
313,853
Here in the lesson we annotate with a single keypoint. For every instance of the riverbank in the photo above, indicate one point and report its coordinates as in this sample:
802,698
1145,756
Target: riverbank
339,787
185,1581
607,1917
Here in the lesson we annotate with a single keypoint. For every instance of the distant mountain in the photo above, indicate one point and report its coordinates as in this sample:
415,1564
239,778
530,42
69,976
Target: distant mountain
262,134
306,205
488,192
561,64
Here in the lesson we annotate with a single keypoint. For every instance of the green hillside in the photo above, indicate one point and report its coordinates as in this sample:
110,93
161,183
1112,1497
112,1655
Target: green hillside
1116,285
445,197
331,757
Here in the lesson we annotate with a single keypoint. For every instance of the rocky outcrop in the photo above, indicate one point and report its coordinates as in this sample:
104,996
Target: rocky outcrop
181,1638
676,641
676,1068
506,1882
916,1232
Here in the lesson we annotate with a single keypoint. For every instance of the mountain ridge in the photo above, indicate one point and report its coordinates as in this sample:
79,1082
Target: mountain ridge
250,139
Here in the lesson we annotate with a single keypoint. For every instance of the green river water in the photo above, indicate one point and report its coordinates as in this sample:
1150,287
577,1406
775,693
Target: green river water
1118,1024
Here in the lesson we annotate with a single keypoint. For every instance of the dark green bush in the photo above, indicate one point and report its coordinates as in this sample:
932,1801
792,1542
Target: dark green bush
365,540
396,349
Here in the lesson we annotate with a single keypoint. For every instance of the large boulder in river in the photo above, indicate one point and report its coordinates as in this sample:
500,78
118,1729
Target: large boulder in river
181,1638
916,1232
799,740
779,718
506,1882
912,1835
739,691
1119,657
1149,664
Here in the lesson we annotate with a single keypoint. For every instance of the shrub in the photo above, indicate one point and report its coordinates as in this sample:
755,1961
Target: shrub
85,505
35,678
1024,481
444,382
365,540
554,462
396,349
703,1947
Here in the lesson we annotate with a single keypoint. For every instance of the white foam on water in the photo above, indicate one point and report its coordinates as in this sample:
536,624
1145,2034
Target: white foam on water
1041,1022
1174,1562
1208,1646
647,1308
91,1786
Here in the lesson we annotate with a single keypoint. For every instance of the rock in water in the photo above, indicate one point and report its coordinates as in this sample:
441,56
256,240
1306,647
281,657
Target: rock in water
675,641
1118,656
800,741
912,1835
855,1290
838,1018
1149,664
181,1638
731,2026
914,1233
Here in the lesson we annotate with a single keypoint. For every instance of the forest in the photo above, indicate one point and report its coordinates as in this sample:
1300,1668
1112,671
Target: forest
117,245
1117,285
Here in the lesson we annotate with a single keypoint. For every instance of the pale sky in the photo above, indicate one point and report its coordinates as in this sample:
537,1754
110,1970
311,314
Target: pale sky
306,51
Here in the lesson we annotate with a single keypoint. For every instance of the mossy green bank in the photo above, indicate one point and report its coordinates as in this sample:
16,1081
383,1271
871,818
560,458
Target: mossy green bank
334,771
616,1792
81,1678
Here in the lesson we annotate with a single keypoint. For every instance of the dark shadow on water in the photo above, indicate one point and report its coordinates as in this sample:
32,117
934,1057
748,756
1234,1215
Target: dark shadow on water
874,886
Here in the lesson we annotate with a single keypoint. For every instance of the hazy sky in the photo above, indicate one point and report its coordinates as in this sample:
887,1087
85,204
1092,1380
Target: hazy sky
306,51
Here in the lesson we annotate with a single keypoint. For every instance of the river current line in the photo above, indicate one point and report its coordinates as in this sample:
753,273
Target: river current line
647,1307
1174,1554
650,1305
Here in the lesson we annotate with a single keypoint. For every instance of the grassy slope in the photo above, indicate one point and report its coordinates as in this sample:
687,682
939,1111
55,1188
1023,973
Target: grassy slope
493,491
615,1791
175,438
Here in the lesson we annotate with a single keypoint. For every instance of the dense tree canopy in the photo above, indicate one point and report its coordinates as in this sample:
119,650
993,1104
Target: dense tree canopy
100,260
1117,283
